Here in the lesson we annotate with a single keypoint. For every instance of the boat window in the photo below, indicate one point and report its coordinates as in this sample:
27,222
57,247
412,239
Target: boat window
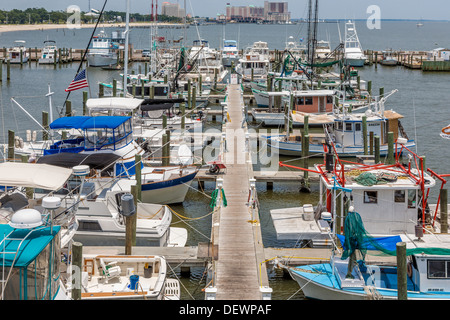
411,199
357,126
339,125
300,101
399,196
438,269
309,100
348,126
329,99
89,226
370,196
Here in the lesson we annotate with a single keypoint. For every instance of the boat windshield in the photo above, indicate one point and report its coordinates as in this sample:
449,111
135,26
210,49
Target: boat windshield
108,138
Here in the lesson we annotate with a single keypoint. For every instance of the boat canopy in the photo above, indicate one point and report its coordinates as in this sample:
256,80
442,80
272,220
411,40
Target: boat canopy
110,122
69,122
33,244
33,175
114,103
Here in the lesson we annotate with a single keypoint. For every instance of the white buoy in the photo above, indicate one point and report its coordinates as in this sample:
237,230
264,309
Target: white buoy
26,219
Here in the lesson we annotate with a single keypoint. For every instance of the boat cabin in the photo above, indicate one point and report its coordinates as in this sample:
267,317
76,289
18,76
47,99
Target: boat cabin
348,130
99,133
314,101
390,207
30,263
430,273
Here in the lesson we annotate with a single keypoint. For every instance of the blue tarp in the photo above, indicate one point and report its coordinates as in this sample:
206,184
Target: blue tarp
109,122
69,122
388,243
29,249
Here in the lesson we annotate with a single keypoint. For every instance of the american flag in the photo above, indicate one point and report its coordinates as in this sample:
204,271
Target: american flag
79,82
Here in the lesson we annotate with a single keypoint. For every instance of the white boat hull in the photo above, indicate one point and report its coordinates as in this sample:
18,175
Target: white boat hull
101,60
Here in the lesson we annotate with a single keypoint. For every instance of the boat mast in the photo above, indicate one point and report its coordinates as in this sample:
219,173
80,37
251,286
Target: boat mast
125,62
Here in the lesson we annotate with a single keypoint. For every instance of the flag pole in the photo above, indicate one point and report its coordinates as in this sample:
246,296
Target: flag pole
85,51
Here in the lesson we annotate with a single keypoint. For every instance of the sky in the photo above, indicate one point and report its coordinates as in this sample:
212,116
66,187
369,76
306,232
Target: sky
328,9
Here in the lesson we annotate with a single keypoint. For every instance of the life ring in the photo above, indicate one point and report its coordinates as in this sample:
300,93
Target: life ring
409,269
446,130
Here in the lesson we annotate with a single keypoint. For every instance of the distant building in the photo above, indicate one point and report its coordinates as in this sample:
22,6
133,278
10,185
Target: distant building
172,10
272,11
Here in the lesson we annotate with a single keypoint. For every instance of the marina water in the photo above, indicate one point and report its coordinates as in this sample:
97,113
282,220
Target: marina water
422,98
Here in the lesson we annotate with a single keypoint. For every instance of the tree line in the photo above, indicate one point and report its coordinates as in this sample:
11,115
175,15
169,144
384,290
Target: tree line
41,15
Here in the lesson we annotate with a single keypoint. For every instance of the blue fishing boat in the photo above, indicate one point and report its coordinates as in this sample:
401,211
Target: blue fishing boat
113,135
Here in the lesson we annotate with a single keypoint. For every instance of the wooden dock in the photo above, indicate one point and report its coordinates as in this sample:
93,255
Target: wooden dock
239,273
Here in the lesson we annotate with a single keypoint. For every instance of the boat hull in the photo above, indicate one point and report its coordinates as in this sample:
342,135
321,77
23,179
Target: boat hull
355,62
295,148
101,60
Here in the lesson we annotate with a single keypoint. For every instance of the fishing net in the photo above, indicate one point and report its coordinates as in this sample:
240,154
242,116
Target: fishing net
357,239
369,179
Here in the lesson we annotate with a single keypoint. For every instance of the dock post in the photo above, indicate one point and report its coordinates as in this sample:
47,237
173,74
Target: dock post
381,92
138,175
45,125
152,92
165,156
100,90
305,155
77,261
194,98
376,59
183,115
133,92
142,89
68,108
21,57
145,68
377,149
402,293
390,156
444,210
371,143
11,137
114,88
35,54
189,94
54,57
364,130
85,99
1,71
8,70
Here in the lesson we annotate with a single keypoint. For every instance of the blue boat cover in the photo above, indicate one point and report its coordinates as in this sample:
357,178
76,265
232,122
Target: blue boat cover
387,243
69,122
109,122
29,249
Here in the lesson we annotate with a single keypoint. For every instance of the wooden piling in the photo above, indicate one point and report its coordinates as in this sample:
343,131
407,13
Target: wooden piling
402,293
11,138
8,70
165,156
377,149
114,88
364,131
77,262
85,99
68,108
390,155
45,125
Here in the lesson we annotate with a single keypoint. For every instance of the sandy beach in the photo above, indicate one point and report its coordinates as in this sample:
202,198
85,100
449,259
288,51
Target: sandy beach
28,27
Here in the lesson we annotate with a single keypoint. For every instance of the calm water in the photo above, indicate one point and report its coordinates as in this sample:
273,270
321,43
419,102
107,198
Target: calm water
422,98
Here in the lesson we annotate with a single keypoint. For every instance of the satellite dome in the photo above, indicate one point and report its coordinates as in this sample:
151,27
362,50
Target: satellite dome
26,219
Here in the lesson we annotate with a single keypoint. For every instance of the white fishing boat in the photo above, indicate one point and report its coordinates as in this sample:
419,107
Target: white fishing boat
127,277
323,49
102,51
346,132
230,53
388,59
113,135
18,53
353,53
255,61
49,54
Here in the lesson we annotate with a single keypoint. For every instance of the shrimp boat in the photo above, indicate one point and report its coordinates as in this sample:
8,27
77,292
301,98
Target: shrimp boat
113,135
255,63
102,51
346,130
380,215
230,53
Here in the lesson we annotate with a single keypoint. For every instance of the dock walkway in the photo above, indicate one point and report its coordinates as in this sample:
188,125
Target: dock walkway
239,271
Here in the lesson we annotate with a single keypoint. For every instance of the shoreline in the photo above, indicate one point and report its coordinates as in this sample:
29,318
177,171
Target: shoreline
33,27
